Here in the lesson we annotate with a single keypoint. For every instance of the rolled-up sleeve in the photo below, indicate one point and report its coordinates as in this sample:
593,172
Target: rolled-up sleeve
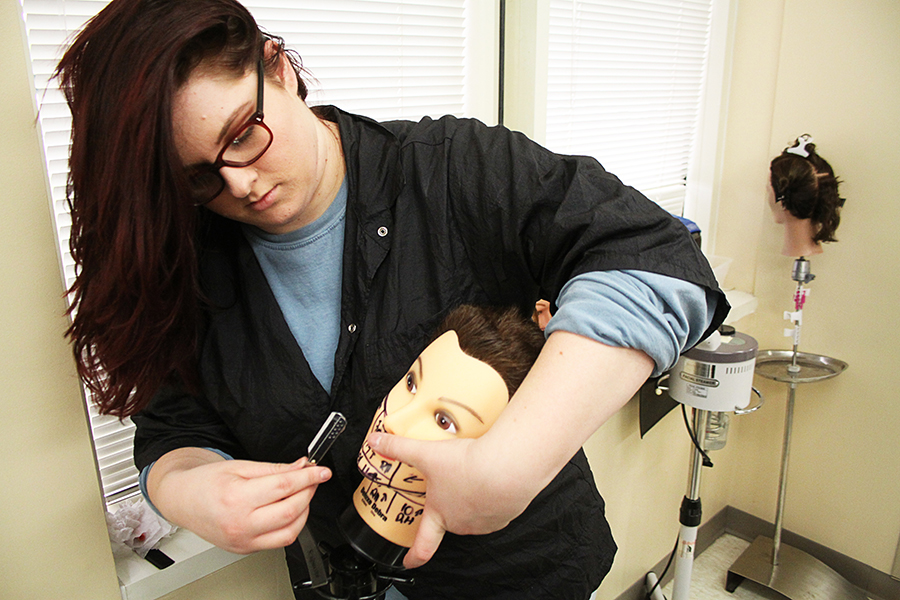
659,315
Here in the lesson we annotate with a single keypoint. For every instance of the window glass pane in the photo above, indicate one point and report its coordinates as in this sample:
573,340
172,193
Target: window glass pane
625,85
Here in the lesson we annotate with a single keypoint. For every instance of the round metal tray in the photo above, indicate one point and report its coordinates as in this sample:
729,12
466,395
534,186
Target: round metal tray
773,364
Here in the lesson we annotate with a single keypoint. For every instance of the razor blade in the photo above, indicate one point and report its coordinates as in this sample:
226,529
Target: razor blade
333,427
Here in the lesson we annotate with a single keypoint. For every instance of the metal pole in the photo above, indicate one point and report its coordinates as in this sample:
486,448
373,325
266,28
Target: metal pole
691,514
801,274
699,425
782,484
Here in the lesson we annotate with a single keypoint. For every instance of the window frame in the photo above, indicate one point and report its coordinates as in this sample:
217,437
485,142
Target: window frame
525,97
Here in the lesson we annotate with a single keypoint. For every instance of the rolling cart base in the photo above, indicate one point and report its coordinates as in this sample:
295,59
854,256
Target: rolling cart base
798,575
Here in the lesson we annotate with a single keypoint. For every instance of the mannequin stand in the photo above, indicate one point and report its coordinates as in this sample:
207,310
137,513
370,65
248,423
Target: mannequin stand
782,568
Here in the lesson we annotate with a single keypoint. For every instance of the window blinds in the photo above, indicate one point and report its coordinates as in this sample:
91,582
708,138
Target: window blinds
387,60
384,59
625,85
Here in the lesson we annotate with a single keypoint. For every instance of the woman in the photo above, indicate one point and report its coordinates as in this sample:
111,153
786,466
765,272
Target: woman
248,265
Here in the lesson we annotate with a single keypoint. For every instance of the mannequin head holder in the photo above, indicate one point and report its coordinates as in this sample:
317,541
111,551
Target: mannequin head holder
456,388
804,198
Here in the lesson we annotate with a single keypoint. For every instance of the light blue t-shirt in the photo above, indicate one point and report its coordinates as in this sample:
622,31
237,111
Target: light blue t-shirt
304,270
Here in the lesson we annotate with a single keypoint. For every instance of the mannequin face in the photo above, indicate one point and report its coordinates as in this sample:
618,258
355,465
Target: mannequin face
798,234
445,394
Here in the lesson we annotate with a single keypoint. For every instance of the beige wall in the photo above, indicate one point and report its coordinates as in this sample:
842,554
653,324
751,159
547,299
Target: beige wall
827,67
835,76
52,536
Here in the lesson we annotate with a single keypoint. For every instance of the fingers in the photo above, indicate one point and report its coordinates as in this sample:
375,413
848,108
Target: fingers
268,483
428,538
283,512
274,500
251,469
279,524
431,528
396,448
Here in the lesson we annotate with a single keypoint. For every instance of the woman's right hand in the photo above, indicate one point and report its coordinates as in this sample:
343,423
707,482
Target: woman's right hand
241,506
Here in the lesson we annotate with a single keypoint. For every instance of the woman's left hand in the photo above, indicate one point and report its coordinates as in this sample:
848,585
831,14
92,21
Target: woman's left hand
466,494
477,486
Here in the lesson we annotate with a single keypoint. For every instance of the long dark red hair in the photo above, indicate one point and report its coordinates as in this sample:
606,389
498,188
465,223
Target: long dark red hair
137,300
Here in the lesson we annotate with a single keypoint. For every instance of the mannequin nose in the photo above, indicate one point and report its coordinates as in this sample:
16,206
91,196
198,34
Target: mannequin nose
403,420
239,180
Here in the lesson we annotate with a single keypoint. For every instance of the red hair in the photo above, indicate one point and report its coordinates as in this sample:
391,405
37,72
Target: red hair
137,300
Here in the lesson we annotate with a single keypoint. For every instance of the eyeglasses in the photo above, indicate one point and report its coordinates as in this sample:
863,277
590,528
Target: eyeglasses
243,149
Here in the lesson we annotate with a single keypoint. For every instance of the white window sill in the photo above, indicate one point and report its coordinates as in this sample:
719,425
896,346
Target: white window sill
742,304
194,558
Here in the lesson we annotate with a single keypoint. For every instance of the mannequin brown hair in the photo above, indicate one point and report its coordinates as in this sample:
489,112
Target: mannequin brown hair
808,189
505,340
137,300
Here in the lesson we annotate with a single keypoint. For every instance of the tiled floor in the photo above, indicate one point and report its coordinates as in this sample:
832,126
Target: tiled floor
711,568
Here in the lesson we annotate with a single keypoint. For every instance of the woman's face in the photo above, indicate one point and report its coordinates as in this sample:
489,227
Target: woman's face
294,181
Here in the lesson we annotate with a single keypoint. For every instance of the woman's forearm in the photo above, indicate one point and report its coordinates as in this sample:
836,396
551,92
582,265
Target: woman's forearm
241,506
477,486
181,459
574,387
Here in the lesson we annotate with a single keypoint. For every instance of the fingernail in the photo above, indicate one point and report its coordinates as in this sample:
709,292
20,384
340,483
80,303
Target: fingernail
325,474
374,440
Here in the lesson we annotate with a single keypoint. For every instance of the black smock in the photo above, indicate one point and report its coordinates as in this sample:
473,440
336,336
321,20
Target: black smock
439,213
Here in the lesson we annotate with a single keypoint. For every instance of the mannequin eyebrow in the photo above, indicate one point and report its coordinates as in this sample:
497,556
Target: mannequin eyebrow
463,406
418,367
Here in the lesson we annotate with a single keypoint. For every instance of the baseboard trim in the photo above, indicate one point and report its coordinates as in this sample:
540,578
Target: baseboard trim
745,526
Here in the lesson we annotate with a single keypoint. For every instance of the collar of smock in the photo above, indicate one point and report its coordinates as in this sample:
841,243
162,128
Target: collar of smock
308,233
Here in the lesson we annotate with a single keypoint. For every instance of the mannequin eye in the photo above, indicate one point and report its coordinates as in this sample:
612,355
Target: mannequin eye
445,422
411,382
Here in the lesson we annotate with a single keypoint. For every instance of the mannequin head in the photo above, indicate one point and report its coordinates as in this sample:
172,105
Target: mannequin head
804,198
456,388
460,383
